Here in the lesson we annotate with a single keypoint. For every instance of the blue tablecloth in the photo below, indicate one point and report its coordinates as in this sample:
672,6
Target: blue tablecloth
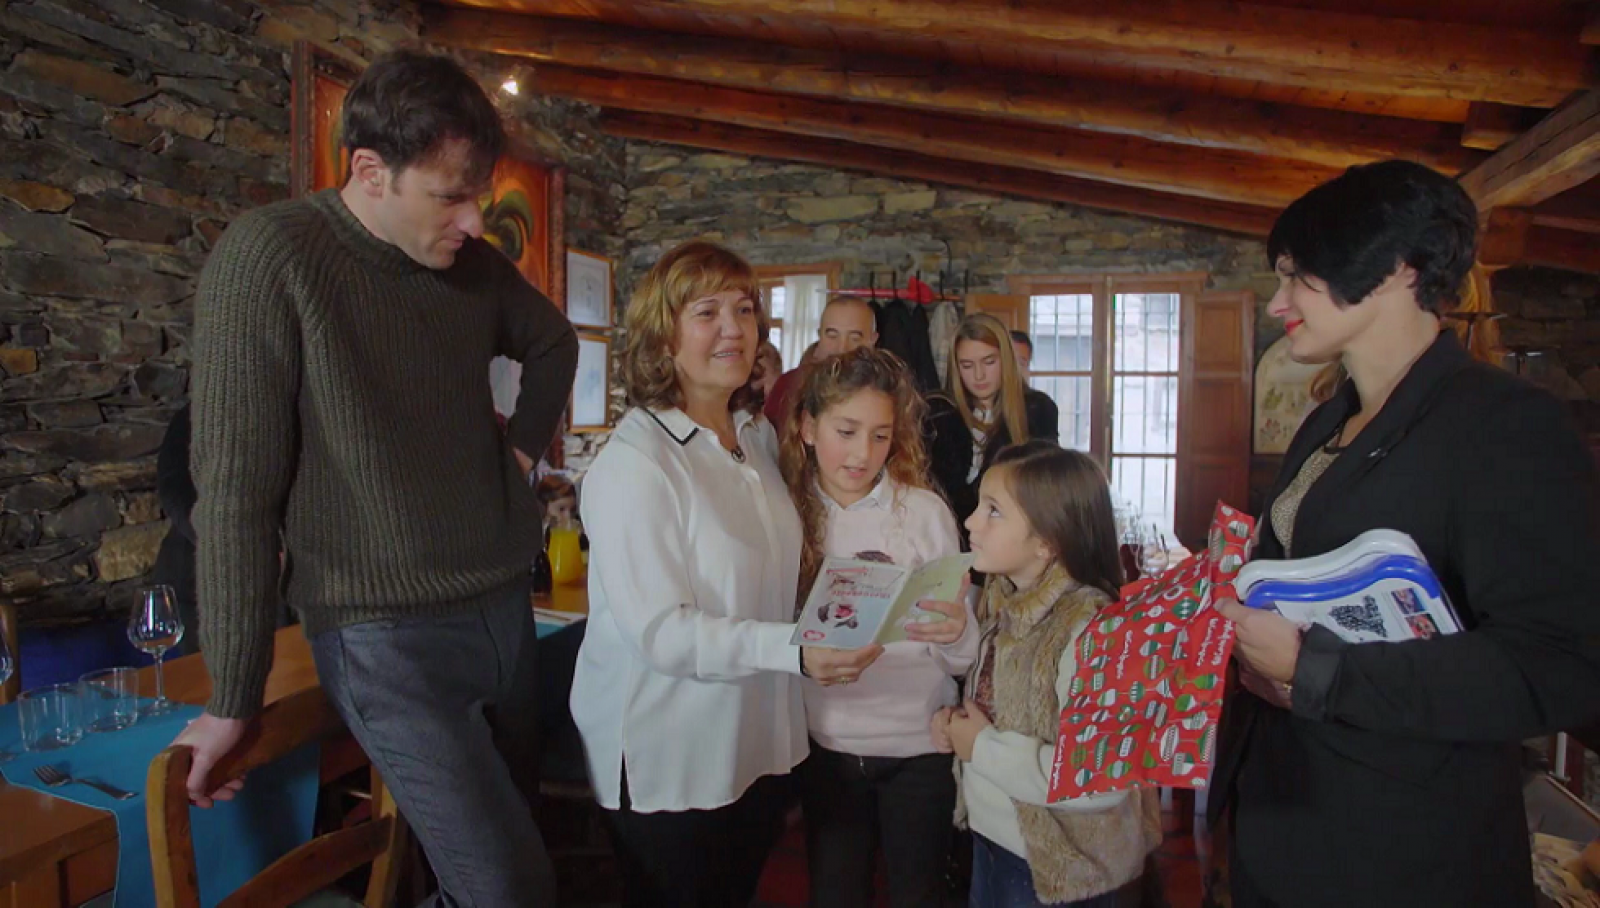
232,841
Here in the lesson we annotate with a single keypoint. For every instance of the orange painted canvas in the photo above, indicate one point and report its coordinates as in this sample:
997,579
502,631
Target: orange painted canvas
516,218
329,159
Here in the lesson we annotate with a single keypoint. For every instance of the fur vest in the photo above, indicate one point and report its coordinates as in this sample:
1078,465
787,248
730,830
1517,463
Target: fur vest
1073,856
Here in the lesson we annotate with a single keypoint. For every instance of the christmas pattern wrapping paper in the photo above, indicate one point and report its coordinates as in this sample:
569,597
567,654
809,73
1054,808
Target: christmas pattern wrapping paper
1144,703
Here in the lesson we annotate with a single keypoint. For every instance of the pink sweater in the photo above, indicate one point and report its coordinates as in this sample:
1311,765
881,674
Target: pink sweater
885,713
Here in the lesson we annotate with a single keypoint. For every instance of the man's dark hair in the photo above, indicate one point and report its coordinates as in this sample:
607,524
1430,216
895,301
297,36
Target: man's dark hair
1022,337
1353,231
407,104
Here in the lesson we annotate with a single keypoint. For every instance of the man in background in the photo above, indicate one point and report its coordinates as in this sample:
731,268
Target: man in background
1023,345
847,323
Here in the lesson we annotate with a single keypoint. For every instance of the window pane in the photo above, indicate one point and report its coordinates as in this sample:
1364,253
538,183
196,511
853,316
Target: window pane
1146,327
1144,414
775,337
1063,332
1148,483
777,301
1071,395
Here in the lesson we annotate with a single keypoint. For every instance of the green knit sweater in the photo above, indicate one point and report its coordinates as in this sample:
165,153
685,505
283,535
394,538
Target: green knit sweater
342,411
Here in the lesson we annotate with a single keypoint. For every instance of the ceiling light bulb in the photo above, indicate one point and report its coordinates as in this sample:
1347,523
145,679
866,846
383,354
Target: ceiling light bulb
509,86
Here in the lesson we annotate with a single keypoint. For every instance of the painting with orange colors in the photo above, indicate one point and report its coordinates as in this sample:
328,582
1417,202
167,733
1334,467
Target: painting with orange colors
329,159
321,80
516,218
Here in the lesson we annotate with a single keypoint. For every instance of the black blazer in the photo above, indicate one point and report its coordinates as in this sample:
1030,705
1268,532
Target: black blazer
1395,780
949,443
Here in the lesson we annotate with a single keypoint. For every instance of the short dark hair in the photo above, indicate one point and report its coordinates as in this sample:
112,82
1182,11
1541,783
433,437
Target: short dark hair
407,103
1022,338
1353,231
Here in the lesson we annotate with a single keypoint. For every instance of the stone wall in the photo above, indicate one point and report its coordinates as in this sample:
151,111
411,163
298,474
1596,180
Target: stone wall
131,131
779,213
1557,312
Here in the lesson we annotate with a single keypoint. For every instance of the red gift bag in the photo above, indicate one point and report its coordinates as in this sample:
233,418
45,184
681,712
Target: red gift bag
1144,703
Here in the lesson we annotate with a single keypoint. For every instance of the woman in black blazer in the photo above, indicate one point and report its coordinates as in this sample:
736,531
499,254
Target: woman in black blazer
1388,774
986,406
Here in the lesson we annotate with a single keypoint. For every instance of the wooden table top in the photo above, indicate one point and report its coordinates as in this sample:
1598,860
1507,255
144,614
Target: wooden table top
40,829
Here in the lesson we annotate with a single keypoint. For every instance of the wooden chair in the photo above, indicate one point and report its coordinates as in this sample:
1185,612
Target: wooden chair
303,872
8,632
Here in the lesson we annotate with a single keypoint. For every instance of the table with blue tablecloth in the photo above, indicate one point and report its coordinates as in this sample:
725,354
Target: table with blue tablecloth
57,852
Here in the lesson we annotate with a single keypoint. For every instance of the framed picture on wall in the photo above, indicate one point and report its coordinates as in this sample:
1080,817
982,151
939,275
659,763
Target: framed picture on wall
588,289
516,217
322,77
591,388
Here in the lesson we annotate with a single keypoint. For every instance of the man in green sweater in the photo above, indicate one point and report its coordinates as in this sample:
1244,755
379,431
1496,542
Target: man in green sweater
341,400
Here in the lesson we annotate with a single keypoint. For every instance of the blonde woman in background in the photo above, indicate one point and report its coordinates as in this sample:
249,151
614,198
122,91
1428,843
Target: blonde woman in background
986,405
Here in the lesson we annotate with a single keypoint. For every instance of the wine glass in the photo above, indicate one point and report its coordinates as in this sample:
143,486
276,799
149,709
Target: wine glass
1156,557
6,668
1131,545
155,628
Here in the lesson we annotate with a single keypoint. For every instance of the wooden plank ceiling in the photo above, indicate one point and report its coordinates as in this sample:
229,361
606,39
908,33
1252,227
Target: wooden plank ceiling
1210,112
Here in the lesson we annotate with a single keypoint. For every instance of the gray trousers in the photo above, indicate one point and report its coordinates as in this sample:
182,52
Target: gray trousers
446,710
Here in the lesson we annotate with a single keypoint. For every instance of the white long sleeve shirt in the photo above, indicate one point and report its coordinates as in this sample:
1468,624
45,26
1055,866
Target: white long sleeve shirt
886,712
686,674
1009,764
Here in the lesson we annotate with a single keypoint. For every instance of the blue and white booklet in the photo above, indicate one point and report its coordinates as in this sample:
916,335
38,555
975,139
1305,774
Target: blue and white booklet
1376,588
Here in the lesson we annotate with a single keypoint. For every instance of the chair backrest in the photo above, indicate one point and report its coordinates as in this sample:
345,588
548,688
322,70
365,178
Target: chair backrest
8,632
281,728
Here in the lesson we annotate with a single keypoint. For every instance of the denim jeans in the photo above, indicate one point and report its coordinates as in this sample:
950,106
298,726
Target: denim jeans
1001,879
446,709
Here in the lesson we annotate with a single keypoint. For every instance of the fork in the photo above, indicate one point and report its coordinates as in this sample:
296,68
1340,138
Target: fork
54,778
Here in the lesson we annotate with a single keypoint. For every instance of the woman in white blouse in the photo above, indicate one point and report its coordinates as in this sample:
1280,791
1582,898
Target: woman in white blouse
686,691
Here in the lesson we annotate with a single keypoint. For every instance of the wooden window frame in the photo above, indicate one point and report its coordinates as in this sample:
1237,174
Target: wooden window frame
769,276
1103,288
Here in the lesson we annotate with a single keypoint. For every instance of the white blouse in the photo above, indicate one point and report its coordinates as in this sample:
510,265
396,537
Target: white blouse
686,675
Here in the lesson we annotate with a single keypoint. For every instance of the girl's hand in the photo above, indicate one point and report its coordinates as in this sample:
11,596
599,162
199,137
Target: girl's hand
939,729
828,667
963,728
942,633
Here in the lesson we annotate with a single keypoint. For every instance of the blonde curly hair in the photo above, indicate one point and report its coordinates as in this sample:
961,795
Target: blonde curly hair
694,270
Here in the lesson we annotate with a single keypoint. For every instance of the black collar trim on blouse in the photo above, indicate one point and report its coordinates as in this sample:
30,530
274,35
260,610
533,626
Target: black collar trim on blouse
682,442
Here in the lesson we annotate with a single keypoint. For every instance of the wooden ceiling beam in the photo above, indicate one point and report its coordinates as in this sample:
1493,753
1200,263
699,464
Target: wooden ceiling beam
1251,220
1560,152
1576,209
1490,125
1309,48
1207,172
1328,137
1512,236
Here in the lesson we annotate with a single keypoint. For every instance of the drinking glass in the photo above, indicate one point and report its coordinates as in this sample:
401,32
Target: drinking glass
155,628
6,668
1131,549
110,698
1156,556
52,717
566,555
